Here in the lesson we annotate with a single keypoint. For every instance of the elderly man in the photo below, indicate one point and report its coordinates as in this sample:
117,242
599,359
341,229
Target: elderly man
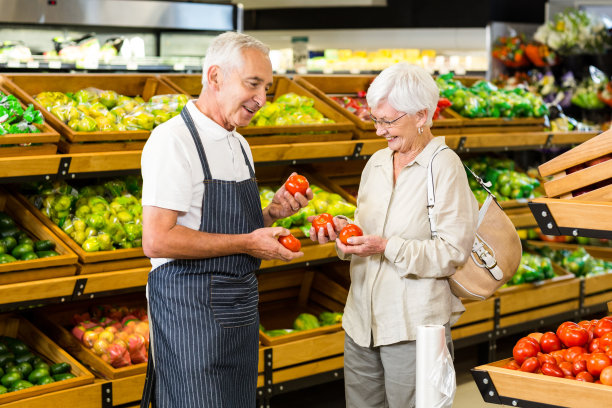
205,232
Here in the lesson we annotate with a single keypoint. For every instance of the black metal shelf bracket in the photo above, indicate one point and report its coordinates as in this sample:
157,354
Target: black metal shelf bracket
357,150
79,289
485,386
64,167
461,146
544,218
107,395
268,389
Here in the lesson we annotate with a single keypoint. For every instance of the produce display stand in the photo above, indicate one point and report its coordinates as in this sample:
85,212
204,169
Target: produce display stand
17,144
63,264
342,129
27,86
18,327
499,385
91,262
325,86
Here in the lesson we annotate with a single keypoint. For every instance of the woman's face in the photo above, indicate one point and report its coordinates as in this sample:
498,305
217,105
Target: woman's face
402,133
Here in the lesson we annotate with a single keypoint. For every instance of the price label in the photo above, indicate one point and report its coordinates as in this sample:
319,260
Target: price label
179,66
32,64
13,64
131,66
55,64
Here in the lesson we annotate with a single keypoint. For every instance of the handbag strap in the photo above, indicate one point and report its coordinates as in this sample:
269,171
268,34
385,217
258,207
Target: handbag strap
431,196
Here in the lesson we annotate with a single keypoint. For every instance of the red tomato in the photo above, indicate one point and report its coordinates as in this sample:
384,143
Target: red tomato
602,327
530,340
572,334
584,376
296,184
605,342
552,370
321,221
597,362
572,353
559,355
350,230
512,365
550,342
595,345
290,242
530,365
546,358
566,367
523,350
536,336
578,367
606,375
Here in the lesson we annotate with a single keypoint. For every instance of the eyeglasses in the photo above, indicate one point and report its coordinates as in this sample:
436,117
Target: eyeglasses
385,124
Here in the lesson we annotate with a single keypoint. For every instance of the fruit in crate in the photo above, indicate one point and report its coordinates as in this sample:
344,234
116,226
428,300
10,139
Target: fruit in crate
356,105
329,318
533,268
117,334
20,368
14,119
289,109
507,184
17,245
99,217
306,321
90,109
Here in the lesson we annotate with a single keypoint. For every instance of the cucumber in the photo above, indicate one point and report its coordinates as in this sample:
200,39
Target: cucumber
6,258
45,380
29,256
9,243
46,254
5,358
63,376
19,349
6,221
59,368
44,245
10,232
26,357
22,249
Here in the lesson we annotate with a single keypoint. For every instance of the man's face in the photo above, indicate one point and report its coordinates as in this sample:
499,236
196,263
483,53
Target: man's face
243,90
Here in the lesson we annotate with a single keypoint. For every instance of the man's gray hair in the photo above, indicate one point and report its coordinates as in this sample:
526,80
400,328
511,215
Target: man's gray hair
407,88
226,52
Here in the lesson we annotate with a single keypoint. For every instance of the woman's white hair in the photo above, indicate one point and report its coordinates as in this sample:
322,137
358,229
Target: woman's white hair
407,88
225,51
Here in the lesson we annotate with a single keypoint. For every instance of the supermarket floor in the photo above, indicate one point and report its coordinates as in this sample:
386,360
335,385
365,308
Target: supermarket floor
331,395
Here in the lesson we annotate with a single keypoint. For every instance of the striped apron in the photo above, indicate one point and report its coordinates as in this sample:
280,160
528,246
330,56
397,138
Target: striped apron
203,312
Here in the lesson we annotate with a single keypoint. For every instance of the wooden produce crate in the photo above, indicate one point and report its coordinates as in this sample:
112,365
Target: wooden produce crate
507,385
561,275
524,305
44,142
496,125
582,172
41,345
477,318
27,86
57,322
325,86
43,268
342,129
284,295
91,262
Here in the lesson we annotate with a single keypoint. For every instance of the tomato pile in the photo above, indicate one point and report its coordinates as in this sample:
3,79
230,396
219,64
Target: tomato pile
578,351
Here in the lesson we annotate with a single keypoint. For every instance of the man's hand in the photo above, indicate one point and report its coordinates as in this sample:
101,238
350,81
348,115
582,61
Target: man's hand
365,245
332,230
263,244
284,204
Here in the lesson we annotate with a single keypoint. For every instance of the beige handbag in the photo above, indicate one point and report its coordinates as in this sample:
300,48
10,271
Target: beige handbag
496,252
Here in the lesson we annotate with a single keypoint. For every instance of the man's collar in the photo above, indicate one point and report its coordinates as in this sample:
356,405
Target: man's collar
206,125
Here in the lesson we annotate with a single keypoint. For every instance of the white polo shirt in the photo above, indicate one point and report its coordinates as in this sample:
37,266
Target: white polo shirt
171,170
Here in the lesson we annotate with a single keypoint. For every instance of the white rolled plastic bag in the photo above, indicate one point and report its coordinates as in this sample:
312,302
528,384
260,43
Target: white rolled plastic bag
435,374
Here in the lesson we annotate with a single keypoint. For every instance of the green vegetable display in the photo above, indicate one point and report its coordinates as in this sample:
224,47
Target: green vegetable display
485,100
533,268
289,109
16,245
100,217
306,321
581,263
90,110
507,184
14,119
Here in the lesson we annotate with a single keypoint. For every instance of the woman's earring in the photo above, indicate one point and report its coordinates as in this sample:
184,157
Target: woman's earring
420,130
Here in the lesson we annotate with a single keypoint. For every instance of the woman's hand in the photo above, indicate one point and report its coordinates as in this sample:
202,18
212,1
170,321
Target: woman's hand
365,245
332,230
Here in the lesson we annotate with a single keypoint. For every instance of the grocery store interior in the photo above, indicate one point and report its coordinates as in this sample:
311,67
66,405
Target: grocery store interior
525,101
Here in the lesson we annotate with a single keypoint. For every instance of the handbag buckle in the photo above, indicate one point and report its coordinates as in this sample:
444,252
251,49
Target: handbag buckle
485,257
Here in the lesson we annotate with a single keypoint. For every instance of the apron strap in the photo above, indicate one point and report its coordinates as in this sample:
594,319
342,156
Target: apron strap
247,161
148,394
196,139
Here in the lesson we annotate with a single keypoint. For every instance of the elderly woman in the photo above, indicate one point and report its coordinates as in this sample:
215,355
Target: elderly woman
398,271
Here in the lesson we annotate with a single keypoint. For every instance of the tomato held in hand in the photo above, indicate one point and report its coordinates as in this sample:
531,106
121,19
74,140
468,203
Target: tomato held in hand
290,242
297,184
350,230
321,221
